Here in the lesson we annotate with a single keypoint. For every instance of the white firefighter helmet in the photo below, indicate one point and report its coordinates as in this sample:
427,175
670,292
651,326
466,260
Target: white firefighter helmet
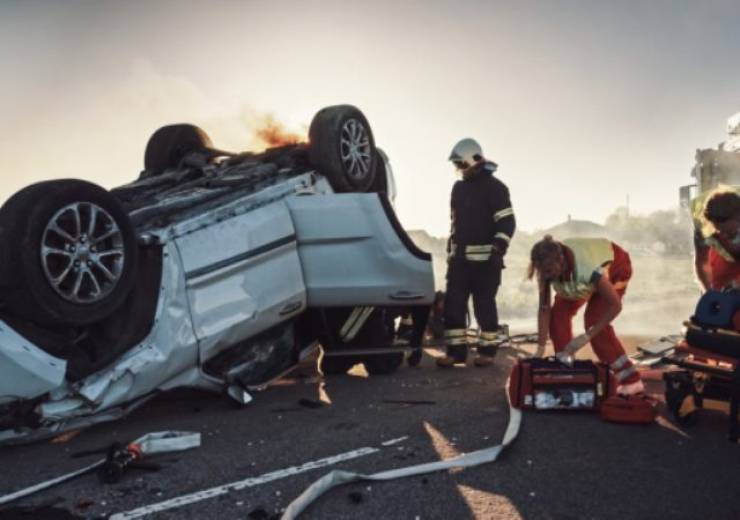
466,151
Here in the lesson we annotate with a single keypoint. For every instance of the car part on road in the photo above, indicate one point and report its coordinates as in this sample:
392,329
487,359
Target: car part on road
149,444
169,145
342,146
240,485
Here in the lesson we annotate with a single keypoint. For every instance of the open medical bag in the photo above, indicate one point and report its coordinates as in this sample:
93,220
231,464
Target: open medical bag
548,384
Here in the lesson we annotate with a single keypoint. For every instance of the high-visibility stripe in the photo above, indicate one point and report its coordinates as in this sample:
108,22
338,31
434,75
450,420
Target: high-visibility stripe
359,323
485,248
478,257
503,214
503,236
624,374
620,362
456,336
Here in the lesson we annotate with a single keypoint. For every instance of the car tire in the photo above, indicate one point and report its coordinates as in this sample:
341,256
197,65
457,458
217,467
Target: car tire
380,184
342,147
69,253
170,144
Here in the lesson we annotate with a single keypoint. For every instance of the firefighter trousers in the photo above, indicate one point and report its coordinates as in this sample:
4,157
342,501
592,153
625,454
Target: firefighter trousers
480,280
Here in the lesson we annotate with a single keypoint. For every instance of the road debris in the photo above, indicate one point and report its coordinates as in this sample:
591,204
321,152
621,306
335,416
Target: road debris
149,444
339,477
65,437
239,485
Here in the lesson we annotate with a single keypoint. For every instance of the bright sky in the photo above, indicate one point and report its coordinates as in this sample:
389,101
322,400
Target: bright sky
581,103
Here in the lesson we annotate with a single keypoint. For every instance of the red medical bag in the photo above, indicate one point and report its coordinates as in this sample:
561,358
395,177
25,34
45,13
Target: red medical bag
547,384
635,409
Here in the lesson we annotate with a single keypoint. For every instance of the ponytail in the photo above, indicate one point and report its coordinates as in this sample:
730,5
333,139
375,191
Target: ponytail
542,251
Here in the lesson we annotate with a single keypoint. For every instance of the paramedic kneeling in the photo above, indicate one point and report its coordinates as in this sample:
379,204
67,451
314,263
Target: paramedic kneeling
592,271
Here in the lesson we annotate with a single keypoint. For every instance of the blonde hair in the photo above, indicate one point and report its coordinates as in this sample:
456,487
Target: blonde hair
546,249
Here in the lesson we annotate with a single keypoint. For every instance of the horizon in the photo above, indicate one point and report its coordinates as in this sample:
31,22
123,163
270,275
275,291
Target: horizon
582,106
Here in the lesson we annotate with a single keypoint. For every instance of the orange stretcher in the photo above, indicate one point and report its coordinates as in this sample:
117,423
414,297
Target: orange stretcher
706,372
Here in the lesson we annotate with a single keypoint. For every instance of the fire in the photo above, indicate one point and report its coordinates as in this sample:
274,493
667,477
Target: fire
273,133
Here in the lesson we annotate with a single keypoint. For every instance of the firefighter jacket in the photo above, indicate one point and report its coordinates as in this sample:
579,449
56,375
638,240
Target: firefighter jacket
483,220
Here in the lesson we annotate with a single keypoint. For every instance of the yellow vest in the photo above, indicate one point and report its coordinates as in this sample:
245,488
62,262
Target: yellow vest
590,254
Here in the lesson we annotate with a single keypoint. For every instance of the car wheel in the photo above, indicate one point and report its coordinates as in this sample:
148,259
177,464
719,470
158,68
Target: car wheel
170,144
342,148
69,253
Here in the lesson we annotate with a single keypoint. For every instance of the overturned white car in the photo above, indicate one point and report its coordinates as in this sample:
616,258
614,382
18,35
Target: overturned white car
213,270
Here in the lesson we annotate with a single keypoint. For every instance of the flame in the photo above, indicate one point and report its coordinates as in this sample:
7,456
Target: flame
272,133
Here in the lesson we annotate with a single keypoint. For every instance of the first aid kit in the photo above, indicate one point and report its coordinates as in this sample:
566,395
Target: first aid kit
634,409
548,384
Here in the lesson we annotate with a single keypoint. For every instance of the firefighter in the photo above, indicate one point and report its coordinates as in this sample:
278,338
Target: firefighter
590,271
717,245
482,226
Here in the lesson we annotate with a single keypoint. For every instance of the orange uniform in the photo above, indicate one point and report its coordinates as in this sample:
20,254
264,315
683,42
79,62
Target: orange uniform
617,266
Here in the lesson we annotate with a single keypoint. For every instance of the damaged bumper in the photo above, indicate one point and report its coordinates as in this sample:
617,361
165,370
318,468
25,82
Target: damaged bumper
26,371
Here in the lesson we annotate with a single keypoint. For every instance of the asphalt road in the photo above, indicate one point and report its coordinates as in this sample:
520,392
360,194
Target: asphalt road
562,466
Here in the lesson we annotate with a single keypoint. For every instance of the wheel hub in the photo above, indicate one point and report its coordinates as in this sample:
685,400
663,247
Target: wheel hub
82,252
355,149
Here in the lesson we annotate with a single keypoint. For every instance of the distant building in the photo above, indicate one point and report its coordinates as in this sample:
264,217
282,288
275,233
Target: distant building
577,228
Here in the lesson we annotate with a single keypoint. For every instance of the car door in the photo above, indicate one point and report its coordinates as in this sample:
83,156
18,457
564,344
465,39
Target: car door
354,252
243,276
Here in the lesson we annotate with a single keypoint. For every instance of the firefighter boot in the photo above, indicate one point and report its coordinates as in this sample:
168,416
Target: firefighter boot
456,355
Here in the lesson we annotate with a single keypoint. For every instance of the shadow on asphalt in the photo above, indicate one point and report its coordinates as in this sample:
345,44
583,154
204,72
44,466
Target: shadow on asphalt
563,466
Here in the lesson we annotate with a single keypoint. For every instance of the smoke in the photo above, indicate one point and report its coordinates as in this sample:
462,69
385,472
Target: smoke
662,293
270,132
98,132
